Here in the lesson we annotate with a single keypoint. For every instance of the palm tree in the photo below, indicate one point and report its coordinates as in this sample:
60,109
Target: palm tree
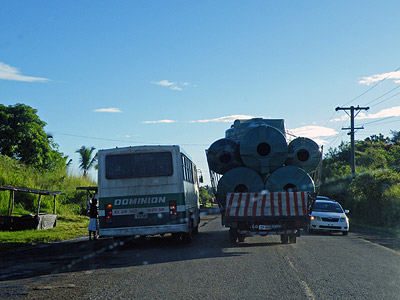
86,161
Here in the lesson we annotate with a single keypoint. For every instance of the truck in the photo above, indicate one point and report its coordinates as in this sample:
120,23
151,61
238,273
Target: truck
262,180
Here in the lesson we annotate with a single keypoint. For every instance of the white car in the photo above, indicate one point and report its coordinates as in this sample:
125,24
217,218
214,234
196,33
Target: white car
328,215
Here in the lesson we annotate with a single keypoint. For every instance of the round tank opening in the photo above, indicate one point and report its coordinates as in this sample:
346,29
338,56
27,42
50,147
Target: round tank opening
303,155
241,188
290,187
225,157
263,149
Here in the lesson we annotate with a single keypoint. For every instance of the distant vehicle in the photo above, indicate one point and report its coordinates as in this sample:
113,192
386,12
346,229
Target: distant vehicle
147,190
328,215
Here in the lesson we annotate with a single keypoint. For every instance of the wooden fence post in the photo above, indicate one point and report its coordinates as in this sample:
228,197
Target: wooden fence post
54,209
38,206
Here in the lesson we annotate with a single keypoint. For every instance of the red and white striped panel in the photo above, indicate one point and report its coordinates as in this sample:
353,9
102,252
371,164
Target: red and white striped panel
266,204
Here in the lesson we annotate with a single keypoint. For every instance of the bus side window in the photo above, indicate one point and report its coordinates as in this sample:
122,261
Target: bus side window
188,169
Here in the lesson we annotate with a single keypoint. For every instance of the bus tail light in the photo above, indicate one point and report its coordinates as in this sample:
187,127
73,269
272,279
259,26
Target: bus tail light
108,209
173,210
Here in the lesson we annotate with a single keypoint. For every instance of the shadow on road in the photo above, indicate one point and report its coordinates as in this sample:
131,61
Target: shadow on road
105,253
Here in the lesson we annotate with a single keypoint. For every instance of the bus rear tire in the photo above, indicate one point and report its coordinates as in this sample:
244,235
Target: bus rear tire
187,237
176,236
196,229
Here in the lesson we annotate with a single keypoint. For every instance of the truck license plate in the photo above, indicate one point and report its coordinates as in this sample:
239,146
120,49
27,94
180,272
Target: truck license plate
264,227
141,216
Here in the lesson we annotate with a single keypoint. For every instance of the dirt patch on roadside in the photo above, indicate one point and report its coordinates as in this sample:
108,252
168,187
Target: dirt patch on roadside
383,239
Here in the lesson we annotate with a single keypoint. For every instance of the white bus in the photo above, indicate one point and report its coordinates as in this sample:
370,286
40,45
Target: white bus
147,190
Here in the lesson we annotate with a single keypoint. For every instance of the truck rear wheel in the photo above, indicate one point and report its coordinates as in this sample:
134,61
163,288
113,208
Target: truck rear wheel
233,235
292,239
284,238
241,238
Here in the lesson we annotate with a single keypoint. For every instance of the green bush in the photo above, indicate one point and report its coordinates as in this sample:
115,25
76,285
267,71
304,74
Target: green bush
70,202
376,197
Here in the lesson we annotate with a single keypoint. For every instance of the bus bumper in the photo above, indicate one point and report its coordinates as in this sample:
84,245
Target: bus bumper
143,230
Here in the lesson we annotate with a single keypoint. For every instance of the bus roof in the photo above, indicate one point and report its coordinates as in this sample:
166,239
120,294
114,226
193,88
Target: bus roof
152,148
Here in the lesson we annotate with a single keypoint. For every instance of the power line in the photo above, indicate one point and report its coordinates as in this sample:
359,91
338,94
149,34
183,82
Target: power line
122,141
384,95
372,87
394,121
387,98
375,121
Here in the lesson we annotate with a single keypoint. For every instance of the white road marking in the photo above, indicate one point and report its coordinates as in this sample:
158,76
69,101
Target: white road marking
310,295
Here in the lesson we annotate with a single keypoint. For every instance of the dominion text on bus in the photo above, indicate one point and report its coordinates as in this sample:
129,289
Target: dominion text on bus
149,200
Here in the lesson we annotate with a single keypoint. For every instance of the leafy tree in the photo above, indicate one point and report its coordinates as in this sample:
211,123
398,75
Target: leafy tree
22,137
372,158
377,138
394,158
396,137
376,194
373,196
204,195
86,161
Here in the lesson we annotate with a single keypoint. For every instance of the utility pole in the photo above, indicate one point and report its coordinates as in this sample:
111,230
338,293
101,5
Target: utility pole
351,133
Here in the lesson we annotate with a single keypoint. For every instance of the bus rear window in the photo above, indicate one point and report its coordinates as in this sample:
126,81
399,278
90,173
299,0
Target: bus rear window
139,165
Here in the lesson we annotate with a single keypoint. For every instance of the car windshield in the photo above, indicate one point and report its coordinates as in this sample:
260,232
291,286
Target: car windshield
327,207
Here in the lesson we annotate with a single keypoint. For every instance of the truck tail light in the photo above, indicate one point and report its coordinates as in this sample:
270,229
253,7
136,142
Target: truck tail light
173,210
108,209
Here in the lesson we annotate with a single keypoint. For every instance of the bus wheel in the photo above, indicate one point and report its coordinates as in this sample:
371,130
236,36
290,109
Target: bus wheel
196,229
176,236
188,236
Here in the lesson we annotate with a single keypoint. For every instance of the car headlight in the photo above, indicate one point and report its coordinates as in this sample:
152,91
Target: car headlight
316,218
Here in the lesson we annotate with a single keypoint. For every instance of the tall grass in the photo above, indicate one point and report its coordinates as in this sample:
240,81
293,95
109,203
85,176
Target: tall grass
70,202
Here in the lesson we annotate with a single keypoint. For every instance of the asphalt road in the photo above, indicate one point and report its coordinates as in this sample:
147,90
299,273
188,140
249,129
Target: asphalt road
320,266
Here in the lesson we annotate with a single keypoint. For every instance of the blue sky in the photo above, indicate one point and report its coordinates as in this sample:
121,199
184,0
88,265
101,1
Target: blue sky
125,73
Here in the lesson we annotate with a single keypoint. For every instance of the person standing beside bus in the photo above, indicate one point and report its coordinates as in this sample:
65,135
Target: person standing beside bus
93,223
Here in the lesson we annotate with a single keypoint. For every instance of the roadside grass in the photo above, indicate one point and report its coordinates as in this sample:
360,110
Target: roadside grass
67,227
394,231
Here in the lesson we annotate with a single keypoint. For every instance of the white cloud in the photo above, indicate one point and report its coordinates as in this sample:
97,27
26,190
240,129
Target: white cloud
342,118
164,83
225,119
159,121
368,80
384,113
108,110
173,86
320,141
10,73
313,131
